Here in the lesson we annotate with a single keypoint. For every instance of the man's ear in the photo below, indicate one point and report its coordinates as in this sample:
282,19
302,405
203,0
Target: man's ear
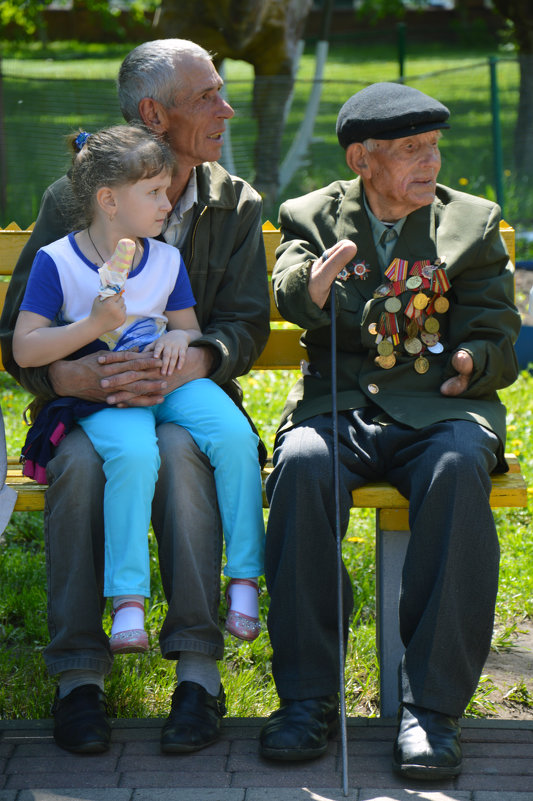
153,114
105,197
357,158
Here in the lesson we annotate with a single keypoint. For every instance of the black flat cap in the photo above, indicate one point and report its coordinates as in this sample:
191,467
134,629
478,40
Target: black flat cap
389,111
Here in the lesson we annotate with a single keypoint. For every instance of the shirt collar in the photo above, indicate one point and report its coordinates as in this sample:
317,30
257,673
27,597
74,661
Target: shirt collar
377,226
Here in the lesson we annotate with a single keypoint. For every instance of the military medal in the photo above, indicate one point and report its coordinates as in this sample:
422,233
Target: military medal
441,304
386,362
420,301
421,365
413,345
393,305
359,269
385,347
432,325
420,328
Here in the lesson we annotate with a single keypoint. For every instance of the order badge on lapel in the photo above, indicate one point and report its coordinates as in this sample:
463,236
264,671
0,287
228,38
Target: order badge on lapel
359,269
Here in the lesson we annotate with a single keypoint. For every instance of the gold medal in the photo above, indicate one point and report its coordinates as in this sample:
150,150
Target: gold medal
420,301
373,329
386,361
432,325
441,304
385,347
421,365
393,305
412,329
412,345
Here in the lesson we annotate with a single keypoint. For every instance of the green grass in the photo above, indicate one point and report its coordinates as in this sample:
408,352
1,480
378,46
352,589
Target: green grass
142,685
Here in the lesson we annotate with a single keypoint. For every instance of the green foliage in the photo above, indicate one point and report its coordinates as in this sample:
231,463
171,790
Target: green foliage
26,18
23,14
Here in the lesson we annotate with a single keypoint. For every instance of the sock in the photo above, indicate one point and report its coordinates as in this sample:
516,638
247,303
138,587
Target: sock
131,617
244,599
70,679
200,668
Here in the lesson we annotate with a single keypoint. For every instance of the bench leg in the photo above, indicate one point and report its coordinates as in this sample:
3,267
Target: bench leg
392,537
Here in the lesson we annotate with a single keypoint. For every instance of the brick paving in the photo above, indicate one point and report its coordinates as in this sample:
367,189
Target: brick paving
498,766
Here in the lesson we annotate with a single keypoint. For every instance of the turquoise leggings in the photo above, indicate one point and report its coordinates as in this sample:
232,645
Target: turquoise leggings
126,440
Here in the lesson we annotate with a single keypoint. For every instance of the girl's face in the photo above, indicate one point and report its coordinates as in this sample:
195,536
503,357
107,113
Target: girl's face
142,207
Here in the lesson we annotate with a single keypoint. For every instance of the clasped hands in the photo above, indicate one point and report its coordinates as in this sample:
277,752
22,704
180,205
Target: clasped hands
323,273
126,378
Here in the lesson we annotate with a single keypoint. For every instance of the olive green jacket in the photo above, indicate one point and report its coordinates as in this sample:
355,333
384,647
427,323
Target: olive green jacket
461,230
225,259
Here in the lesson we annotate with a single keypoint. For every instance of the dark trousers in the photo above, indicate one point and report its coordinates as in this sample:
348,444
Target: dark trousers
450,575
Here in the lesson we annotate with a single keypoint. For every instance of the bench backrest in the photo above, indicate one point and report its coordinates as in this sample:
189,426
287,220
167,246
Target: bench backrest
283,350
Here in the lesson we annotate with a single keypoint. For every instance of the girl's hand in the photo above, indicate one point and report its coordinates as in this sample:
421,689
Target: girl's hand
109,313
171,349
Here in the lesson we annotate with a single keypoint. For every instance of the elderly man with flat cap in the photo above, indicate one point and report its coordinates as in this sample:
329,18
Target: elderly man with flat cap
425,333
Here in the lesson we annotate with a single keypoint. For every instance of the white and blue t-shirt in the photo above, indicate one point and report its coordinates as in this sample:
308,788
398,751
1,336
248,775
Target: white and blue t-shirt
63,284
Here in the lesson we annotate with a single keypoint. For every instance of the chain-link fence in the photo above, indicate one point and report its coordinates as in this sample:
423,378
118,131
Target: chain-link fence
38,112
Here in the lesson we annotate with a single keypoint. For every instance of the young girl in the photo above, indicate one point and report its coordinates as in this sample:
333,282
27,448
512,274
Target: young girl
119,179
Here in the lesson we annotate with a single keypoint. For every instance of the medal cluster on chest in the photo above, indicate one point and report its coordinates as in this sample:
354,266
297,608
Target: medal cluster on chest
408,321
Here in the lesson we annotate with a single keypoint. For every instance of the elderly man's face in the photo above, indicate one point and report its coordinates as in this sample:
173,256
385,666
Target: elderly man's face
400,175
195,124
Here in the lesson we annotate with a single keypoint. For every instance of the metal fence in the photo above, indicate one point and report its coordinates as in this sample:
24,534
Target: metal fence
477,151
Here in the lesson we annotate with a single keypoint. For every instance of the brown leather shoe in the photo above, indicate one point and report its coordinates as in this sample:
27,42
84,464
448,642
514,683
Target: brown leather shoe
427,745
300,729
81,724
194,719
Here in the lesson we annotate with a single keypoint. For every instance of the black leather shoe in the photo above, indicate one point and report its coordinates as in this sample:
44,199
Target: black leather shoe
427,745
194,719
300,729
81,724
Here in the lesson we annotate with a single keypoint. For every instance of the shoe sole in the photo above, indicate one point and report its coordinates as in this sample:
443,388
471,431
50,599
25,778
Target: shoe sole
184,748
426,772
96,747
130,649
299,754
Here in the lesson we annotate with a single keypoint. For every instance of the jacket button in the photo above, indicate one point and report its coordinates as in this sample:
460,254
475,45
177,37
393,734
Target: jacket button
373,388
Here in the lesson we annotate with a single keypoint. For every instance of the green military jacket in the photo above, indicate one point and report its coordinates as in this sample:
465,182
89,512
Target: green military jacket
460,230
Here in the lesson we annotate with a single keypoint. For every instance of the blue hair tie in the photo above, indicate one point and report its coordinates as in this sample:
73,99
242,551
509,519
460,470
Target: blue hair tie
81,139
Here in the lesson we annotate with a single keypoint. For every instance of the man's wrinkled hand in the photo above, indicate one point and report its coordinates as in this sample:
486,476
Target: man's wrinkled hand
122,378
463,363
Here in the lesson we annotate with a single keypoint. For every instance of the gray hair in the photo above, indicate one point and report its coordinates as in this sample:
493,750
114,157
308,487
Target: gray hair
152,70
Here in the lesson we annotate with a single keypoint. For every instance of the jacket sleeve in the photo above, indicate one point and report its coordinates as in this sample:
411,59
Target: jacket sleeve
300,247
238,323
484,320
51,224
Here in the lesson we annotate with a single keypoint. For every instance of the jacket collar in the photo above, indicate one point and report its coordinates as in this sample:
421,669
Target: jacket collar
214,189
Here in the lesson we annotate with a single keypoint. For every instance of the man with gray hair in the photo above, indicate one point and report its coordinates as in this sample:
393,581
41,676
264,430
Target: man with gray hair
425,332
173,88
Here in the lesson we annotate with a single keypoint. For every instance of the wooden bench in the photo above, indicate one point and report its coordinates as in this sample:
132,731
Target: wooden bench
283,351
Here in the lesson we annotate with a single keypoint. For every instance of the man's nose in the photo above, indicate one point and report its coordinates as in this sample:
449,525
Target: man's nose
431,155
224,109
